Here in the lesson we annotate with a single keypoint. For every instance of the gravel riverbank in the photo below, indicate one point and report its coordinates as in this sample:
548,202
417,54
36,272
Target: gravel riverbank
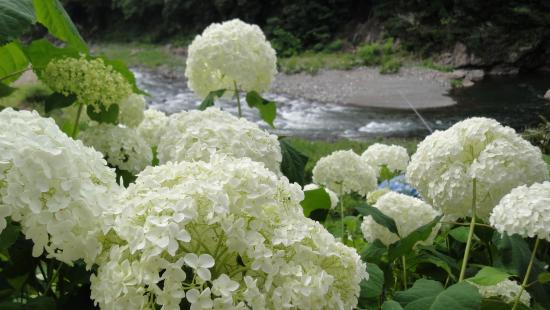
362,86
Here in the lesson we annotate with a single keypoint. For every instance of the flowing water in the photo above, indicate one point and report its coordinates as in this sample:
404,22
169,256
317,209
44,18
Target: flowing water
516,101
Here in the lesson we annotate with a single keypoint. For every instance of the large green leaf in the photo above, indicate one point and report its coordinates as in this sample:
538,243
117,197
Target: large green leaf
372,287
293,164
391,305
41,52
378,217
16,16
405,245
104,115
12,62
490,276
374,251
210,98
58,101
430,295
314,200
268,109
53,16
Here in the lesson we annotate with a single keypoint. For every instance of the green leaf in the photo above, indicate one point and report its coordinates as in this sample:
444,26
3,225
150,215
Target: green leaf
16,16
386,174
489,276
514,254
405,245
498,304
41,52
315,199
122,68
391,305
460,234
374,251
58,101
378,217
109,116
268,109
427,258
13,62
53,16
420,289
5,90
9,235
544,277
430,295
38,303
210,98
293,164
374,286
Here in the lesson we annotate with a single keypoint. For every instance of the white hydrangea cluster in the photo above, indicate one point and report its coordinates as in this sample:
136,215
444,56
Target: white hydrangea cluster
122,146
152,127
197,135
345,172
332,195
409,214
90,80
524,211
131,110
230,52
394,157
224,234
58,189
446,162
506,291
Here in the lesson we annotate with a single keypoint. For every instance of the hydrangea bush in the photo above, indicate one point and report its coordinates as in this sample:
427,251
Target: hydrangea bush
197,135
230,53
225,233
218,225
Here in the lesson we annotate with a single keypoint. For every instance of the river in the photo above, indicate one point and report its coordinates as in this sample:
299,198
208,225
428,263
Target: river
516,101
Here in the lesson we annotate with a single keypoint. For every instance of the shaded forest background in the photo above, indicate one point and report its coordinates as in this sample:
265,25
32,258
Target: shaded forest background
516,32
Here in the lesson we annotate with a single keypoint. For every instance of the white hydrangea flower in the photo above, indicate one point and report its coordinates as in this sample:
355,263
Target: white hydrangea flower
240,223
230,52
506,291
394,157
122,146
409,214
345,172
524,211
59,190
197,135
152,127
332,195
443,167
131,110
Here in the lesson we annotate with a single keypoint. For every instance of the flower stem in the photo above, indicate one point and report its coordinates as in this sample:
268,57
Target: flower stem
470,234
238,99
75,128
527,273
404,261
342,216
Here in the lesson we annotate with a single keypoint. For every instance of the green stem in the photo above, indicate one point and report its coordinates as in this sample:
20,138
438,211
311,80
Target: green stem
238,99
527,273
52,279
404,262
75,128
342,216
470,234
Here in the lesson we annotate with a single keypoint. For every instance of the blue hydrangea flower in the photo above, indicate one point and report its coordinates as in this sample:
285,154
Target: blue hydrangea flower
400,185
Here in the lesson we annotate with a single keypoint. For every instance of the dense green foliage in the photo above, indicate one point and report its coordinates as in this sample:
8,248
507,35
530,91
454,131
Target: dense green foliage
491,29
